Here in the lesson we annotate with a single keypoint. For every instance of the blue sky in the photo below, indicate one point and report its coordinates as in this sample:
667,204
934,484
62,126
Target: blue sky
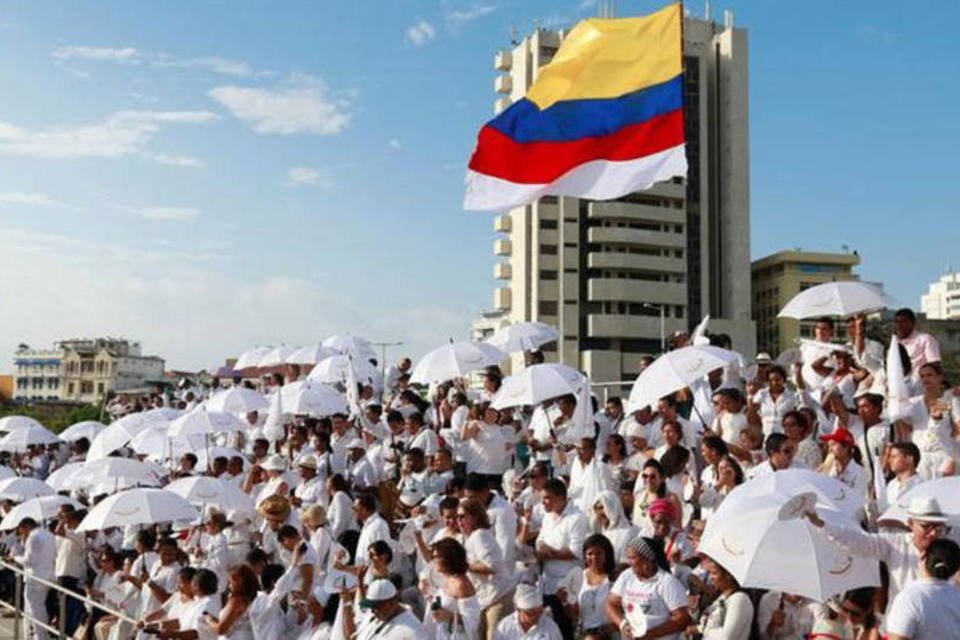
205,176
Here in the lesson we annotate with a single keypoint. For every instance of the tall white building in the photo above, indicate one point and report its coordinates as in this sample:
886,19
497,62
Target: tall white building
603,273
942,300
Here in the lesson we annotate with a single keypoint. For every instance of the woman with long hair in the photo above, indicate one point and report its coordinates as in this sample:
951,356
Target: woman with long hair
587,600
730,616
729,476
616,456
651,485
233,623
454,612
486,567
844,462
930,419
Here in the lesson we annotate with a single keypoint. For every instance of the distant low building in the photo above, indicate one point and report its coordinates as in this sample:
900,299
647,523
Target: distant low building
777,278
37,373
942,300
94,367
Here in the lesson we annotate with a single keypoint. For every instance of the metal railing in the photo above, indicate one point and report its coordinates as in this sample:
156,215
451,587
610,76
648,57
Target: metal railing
603,390
60,631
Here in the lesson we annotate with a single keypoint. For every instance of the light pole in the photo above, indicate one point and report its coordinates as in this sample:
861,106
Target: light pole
383,353
663,334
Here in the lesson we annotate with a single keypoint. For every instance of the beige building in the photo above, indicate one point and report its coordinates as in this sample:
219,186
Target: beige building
604,272
779,277
92,368
942,300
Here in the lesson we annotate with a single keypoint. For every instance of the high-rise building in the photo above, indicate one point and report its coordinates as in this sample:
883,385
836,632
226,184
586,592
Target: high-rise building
615,276
942,300
779,277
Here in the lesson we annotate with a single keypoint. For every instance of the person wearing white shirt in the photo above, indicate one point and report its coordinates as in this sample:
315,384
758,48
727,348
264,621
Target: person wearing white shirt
71,566
374,527
780,452
421,436
844,466
39,560
363,475
729,616
785,616
902,458
484,447
589,476
901,552
340,511
311,487
770,404
502,516
646,600
559,546
528,621
929,608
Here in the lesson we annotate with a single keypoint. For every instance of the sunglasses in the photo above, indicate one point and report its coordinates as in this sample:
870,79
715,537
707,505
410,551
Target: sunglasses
649,476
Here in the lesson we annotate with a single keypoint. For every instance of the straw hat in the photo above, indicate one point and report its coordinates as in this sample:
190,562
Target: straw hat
276,507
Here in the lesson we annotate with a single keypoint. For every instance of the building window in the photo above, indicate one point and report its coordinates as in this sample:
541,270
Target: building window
548,249
86,387
100,388
546,223
548,274
547,308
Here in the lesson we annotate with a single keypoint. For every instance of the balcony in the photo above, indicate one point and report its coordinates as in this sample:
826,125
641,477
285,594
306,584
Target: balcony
503,84
502,271
502,61
630,327
626,290
636,211
623,235
635,262
503,223
500,105
502,299
502,248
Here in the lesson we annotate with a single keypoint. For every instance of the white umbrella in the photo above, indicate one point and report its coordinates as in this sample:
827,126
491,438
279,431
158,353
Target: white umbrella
60,479
237,399
311,355
87,429
138,506
830,492
206,457
15,423
675,370
538,383
40,509
118,434
945,490
276,356
7,472
455,360
162,413
157,444
351,345
199,422
765,544
204,490
251,358
835,299
114,472
311,398
336,369
21,489
19,440
523,336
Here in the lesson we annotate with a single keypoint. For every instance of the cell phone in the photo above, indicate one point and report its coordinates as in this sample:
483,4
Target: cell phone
435,605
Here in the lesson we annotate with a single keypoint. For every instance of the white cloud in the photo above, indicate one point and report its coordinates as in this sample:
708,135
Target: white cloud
459,18
587,4
395,144
223,66
168,213
99,54
420,33
122,133
300,104
309,177
174,301
175,161
36,199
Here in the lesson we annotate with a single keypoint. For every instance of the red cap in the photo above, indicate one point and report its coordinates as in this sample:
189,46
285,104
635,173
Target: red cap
840,435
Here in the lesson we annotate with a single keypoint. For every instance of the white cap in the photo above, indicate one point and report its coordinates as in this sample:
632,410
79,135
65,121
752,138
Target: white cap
379,591
528,596
356,443
274,463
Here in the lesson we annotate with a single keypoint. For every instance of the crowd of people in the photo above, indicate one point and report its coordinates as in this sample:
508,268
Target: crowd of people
427,513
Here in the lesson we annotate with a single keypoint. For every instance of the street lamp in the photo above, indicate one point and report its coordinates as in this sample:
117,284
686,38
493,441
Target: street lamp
663,335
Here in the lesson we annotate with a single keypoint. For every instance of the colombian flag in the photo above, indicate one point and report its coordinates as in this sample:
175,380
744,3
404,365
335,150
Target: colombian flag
603,119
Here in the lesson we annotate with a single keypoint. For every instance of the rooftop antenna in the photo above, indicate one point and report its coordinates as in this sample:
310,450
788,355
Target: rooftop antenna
513,35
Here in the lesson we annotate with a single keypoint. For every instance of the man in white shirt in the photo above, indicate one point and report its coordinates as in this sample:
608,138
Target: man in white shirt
780,452
929,608
902,552
372,527
559,547
38,559
311,487
528,621
503,517
903,458
363,475
70,565
390,620
589,476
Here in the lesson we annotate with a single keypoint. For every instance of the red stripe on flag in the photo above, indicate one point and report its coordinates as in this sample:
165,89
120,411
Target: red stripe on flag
543,162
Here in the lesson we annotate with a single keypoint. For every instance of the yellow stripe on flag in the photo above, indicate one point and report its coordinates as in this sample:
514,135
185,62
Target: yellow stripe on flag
609,58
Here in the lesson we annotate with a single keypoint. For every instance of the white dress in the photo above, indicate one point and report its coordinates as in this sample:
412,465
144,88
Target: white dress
466,622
